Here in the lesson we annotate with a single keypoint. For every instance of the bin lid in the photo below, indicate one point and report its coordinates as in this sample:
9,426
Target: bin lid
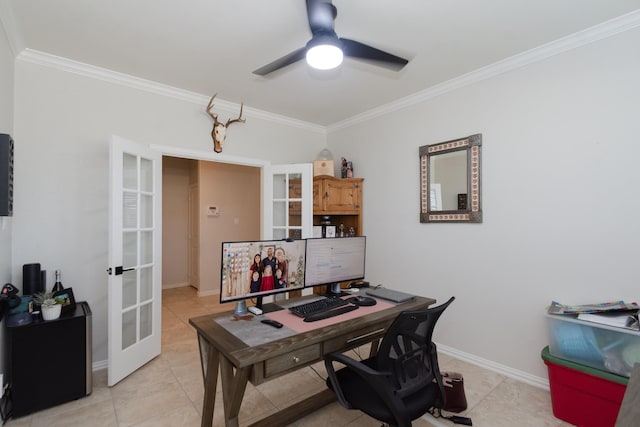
548,357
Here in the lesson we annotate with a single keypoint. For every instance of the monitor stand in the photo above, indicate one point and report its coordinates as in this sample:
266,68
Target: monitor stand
241,308
334,290
267,308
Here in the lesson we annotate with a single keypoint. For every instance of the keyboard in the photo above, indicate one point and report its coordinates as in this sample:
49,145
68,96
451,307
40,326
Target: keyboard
318,306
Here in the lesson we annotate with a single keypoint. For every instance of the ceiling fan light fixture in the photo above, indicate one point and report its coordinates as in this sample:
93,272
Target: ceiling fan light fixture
324,54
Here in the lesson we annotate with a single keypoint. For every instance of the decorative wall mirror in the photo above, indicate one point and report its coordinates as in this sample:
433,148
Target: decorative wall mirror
450,181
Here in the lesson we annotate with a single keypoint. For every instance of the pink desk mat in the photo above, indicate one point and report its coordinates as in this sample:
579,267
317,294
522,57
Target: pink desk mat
297,324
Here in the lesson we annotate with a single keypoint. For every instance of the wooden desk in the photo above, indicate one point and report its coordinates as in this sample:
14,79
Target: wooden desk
240,362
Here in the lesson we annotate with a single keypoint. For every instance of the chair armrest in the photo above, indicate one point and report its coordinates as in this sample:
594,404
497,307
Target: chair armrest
360,368
378,380
353,364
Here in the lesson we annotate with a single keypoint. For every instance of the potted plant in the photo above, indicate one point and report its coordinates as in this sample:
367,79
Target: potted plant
50,306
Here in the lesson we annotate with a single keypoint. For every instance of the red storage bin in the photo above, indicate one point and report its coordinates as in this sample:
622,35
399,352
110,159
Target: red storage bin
581,395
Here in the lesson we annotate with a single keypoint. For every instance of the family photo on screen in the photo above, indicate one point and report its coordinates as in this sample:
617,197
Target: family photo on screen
255,268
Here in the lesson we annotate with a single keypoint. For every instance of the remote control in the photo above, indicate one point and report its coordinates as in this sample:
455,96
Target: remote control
273,323
255,310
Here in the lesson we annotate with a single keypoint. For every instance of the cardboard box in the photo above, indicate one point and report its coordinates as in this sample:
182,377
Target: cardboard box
581,395
323,167
599,346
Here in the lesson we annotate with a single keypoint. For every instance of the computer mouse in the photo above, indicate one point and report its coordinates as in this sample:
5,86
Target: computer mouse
273,323
360,300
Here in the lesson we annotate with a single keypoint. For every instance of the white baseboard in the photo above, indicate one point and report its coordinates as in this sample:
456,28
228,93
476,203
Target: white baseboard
174,285
524,377
100,365
207,293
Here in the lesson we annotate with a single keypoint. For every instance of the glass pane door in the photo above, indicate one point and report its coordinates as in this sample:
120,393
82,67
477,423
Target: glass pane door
287,206
134,257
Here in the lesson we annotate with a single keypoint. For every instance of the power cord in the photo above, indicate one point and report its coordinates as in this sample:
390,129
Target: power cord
456,419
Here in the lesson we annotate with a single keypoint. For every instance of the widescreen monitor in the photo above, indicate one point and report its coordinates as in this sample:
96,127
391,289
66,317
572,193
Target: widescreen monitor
334,260
255,269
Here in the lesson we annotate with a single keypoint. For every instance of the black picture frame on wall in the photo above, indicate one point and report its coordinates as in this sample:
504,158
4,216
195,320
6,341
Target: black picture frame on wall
69,303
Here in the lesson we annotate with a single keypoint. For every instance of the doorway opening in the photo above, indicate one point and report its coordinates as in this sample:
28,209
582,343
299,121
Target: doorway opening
203,204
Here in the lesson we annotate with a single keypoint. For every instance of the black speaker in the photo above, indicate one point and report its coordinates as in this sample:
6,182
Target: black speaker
31,279
6,175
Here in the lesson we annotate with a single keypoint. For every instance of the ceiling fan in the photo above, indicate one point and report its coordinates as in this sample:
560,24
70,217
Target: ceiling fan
325,45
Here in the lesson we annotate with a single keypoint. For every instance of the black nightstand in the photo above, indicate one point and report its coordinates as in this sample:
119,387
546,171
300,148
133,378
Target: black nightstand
50,362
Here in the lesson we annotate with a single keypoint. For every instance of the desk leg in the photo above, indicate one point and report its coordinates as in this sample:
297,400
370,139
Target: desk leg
209,360
374,347
233,388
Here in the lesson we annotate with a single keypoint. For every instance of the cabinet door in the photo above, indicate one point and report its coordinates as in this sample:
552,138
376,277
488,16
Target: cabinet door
318,196
342,196
295,192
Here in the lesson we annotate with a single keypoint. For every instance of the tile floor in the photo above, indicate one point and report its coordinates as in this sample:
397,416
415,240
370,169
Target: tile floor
168,390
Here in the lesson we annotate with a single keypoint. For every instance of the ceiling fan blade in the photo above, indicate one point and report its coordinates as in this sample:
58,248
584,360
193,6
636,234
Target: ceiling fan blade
359,50
289,59
321,15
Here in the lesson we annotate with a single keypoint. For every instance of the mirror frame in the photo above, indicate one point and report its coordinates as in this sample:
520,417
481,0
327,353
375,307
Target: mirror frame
472,145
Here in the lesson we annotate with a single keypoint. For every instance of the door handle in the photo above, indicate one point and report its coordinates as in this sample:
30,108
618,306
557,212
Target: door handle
119,270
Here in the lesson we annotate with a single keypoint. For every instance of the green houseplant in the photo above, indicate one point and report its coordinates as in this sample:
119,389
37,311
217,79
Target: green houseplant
50,305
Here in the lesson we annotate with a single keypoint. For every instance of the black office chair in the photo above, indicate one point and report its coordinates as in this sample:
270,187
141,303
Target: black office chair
402,381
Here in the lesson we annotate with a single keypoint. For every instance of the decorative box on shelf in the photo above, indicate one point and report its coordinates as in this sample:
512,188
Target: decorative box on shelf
323,167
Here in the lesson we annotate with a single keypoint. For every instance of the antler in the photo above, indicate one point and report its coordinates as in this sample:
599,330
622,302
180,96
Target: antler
215,116
239,119
209,107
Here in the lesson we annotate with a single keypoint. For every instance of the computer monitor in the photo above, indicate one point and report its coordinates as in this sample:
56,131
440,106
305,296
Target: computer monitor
334,260
255,269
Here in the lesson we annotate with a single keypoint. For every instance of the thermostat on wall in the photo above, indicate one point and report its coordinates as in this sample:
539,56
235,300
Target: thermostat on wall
213,211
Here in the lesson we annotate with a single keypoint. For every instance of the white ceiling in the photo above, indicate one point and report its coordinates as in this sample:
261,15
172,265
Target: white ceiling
209,46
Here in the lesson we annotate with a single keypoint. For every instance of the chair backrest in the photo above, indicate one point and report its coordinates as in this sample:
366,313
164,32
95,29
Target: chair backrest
407,351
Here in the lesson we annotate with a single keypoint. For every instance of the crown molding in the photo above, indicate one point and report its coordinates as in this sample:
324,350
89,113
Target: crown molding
99,73
598,32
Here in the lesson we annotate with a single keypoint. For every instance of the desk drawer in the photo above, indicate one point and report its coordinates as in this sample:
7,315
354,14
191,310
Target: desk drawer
292,360
354,339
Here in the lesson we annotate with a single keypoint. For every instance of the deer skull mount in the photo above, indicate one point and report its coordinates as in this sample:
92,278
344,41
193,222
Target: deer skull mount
219,131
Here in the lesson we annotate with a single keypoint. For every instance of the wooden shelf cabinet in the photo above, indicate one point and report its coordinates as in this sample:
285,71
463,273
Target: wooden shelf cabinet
340,199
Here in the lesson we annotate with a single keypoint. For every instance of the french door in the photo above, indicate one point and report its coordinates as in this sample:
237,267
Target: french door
135,257
135,240
288,201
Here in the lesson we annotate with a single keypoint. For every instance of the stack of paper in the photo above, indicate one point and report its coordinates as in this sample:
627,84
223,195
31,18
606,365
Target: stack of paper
603,307
613,313
620,320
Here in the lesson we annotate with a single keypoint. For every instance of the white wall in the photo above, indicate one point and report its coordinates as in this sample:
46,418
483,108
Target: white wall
175,220
560,183
235,191
63,122
6,126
